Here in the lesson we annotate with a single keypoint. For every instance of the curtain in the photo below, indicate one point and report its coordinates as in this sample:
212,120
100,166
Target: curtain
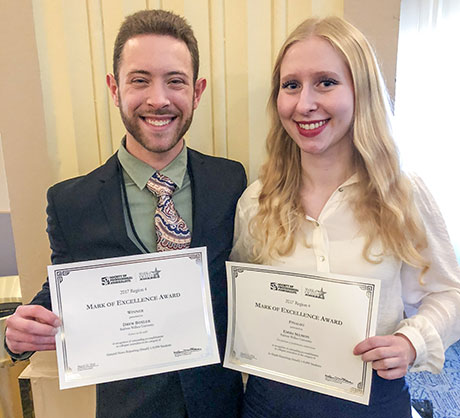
427,103
238,40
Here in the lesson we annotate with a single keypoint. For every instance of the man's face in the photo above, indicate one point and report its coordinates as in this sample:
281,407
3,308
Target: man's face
156,95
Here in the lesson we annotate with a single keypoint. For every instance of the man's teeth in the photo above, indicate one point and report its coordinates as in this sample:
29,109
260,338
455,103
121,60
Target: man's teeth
309,126
156,122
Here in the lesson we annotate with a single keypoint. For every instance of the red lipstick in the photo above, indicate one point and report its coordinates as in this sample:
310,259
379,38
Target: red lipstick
309,133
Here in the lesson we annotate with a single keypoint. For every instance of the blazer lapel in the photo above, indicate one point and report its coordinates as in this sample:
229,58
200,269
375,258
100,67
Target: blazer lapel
195,166
112,203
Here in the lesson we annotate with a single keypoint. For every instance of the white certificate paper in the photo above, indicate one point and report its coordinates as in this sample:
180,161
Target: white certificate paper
300,329
132,316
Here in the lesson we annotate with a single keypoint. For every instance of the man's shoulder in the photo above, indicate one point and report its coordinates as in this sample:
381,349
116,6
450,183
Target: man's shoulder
216,176
212,162
86,182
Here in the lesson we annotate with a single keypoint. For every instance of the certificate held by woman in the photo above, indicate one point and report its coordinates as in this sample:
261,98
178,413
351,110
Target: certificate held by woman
300,329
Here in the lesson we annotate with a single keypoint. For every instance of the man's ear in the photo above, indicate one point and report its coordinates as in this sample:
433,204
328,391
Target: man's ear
113,88
200,85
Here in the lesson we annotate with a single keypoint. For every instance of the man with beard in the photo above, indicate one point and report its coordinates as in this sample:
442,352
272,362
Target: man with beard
109,213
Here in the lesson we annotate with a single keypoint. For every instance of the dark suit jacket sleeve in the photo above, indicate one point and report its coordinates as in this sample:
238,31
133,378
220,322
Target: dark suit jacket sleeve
59,249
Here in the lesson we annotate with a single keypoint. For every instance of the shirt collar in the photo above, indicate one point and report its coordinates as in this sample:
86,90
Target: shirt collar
351,180
140,172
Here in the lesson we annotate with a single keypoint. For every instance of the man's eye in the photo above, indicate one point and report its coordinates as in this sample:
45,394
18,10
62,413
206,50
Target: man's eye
290,85
176,81
138,81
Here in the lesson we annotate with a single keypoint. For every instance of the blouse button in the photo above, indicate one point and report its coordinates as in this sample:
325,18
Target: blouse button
340,189
322,258
317,223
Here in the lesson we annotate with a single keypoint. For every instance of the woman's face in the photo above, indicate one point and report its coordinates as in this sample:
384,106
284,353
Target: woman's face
316,99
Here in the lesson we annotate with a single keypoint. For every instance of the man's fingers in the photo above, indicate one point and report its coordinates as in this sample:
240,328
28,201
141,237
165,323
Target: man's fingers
19,348
38,313
18,336
33,319
18,341
31,328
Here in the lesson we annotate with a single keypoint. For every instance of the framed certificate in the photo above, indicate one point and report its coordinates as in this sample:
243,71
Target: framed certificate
132,316
300,328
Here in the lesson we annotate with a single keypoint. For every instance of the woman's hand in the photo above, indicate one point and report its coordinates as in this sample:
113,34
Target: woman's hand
391,355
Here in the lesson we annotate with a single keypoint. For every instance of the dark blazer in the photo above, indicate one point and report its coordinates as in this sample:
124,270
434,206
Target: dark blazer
86,221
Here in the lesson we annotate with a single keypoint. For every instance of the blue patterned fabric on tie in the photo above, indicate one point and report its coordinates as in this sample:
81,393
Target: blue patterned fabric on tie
172,231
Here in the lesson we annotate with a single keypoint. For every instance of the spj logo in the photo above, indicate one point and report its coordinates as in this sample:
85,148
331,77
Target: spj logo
283,287
118,279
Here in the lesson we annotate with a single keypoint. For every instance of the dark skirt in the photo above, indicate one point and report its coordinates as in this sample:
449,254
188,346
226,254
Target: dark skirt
268,399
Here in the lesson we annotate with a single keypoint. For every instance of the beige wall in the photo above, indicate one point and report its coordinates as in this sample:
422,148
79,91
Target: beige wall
4,199
24,141
56,120
379,21
22,125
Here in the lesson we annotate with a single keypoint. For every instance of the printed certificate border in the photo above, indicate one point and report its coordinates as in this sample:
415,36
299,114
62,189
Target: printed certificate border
57,275
359,393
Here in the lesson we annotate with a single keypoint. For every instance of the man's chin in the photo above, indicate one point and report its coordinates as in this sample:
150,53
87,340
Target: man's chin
160,147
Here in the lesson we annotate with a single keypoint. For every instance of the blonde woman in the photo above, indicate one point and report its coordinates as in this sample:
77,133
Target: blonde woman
331,197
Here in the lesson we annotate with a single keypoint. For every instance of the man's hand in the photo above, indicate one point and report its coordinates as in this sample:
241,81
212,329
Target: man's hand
31,328
391,355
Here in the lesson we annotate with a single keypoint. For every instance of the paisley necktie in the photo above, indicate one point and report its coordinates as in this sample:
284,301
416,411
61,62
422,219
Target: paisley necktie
172,231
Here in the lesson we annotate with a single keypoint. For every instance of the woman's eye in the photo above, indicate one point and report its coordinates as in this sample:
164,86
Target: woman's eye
290,85
328,82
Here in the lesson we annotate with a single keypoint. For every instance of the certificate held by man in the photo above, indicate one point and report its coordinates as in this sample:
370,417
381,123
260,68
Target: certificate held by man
132,316
300,329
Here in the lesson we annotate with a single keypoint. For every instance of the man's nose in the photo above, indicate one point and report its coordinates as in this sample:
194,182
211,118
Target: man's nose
157,96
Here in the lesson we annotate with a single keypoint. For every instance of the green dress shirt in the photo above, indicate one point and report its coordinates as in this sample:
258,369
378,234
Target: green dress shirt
143,203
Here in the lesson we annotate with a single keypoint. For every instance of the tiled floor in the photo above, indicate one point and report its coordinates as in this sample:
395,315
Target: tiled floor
443,389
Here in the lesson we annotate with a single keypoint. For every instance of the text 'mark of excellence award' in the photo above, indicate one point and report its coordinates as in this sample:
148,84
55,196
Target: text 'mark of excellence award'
132,316
300,329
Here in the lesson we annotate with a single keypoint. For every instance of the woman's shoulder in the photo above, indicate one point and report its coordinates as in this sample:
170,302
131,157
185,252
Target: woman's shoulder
415,180
422,195
250,196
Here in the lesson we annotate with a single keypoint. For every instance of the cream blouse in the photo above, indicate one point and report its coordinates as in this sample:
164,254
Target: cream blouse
335,246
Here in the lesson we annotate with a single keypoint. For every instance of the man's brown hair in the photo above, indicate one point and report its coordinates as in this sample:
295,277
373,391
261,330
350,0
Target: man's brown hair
156,22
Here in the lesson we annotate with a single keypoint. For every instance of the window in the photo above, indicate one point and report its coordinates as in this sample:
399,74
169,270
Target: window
427,104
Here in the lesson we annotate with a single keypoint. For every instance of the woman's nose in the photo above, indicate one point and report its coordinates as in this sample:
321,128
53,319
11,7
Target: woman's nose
308,101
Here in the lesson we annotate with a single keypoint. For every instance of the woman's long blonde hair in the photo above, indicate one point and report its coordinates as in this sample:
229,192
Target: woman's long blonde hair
383,204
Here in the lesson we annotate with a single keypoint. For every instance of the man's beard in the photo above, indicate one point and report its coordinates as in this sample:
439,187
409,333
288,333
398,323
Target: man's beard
132,125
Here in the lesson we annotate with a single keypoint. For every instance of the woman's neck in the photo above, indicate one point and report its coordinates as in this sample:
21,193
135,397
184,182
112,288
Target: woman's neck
320,178
323,173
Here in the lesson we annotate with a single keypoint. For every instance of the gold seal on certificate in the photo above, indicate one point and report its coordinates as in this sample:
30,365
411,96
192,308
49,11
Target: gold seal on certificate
132,316
300,329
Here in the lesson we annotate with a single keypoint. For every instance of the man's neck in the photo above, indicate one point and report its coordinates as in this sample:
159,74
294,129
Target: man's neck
156,160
